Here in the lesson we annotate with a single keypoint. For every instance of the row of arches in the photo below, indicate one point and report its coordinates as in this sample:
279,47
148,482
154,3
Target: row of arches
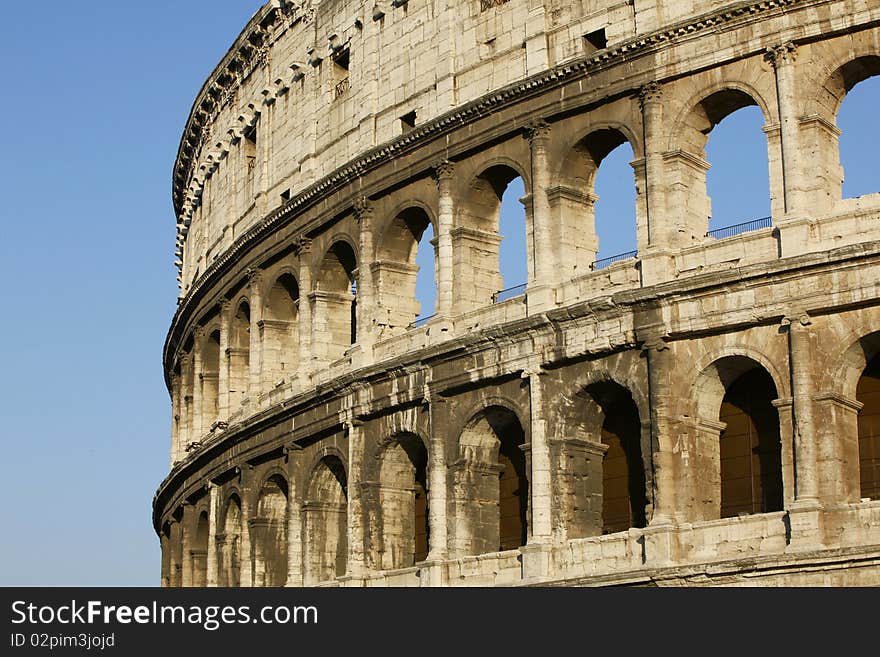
490,480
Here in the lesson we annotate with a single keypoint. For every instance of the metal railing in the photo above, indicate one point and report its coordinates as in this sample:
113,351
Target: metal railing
738,229
421,321
610,260
488,4
509,293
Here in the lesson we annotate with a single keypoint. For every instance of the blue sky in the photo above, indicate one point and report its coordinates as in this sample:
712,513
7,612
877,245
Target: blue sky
95,98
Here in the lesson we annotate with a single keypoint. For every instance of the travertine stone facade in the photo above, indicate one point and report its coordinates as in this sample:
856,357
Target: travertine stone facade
703,411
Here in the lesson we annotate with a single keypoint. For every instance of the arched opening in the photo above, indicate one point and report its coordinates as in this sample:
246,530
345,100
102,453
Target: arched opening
737,457
750,451
269,533
229,544
335,318
738,179
200,551
492,491
280,330
615,202
593,204
857,120
868,393
738,183
325,522
239,352
403,502
493,234
175,540
404,273
611,410
512,257
210,380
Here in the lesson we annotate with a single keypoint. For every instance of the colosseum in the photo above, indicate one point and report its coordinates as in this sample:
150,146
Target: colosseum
704,410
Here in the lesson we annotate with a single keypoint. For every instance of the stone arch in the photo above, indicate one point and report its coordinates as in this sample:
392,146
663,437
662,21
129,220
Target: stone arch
688,202
199,549
738,460
616,425
210,378
491,487
335,313
281,328
573,199
479,233
229,541
856,420
239,352
399,501
325,521
832,95
268,531
395,270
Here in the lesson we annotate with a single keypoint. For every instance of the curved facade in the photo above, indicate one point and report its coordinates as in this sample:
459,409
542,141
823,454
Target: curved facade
703,410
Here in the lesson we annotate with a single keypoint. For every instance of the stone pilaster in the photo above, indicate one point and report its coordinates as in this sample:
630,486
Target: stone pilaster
198,428
212,566
366,305
223,382
357,558
799,350
541,279
302,249
540,484
247,512
782,58
444,174
294,517
437,482
186,539
255,290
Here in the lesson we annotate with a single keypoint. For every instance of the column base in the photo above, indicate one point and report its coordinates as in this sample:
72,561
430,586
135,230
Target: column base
433,573
536,561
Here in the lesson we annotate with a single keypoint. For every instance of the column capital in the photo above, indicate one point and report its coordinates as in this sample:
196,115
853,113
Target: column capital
782,54
363,209
443,170
302,245
796,319
652,92
254,276
536,130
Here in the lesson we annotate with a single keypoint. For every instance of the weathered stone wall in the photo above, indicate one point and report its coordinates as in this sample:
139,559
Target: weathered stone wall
320,436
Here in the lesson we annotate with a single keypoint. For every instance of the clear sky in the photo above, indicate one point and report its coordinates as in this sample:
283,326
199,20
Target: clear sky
95,97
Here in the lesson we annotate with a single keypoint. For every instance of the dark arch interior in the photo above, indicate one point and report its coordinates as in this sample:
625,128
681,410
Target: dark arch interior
868,393
751,460
624,491
513,485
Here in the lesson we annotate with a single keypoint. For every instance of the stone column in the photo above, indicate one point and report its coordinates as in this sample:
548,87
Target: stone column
782,58
223,381
542,277
212,566
356,553
198,412
650,231
800,358
540,484
186,525
187,403
255,288
366,310
176,417
437,482
302,249
247,512
444,173
294,517
660,371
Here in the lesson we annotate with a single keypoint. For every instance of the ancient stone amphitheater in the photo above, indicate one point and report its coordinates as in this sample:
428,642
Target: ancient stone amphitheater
702,411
